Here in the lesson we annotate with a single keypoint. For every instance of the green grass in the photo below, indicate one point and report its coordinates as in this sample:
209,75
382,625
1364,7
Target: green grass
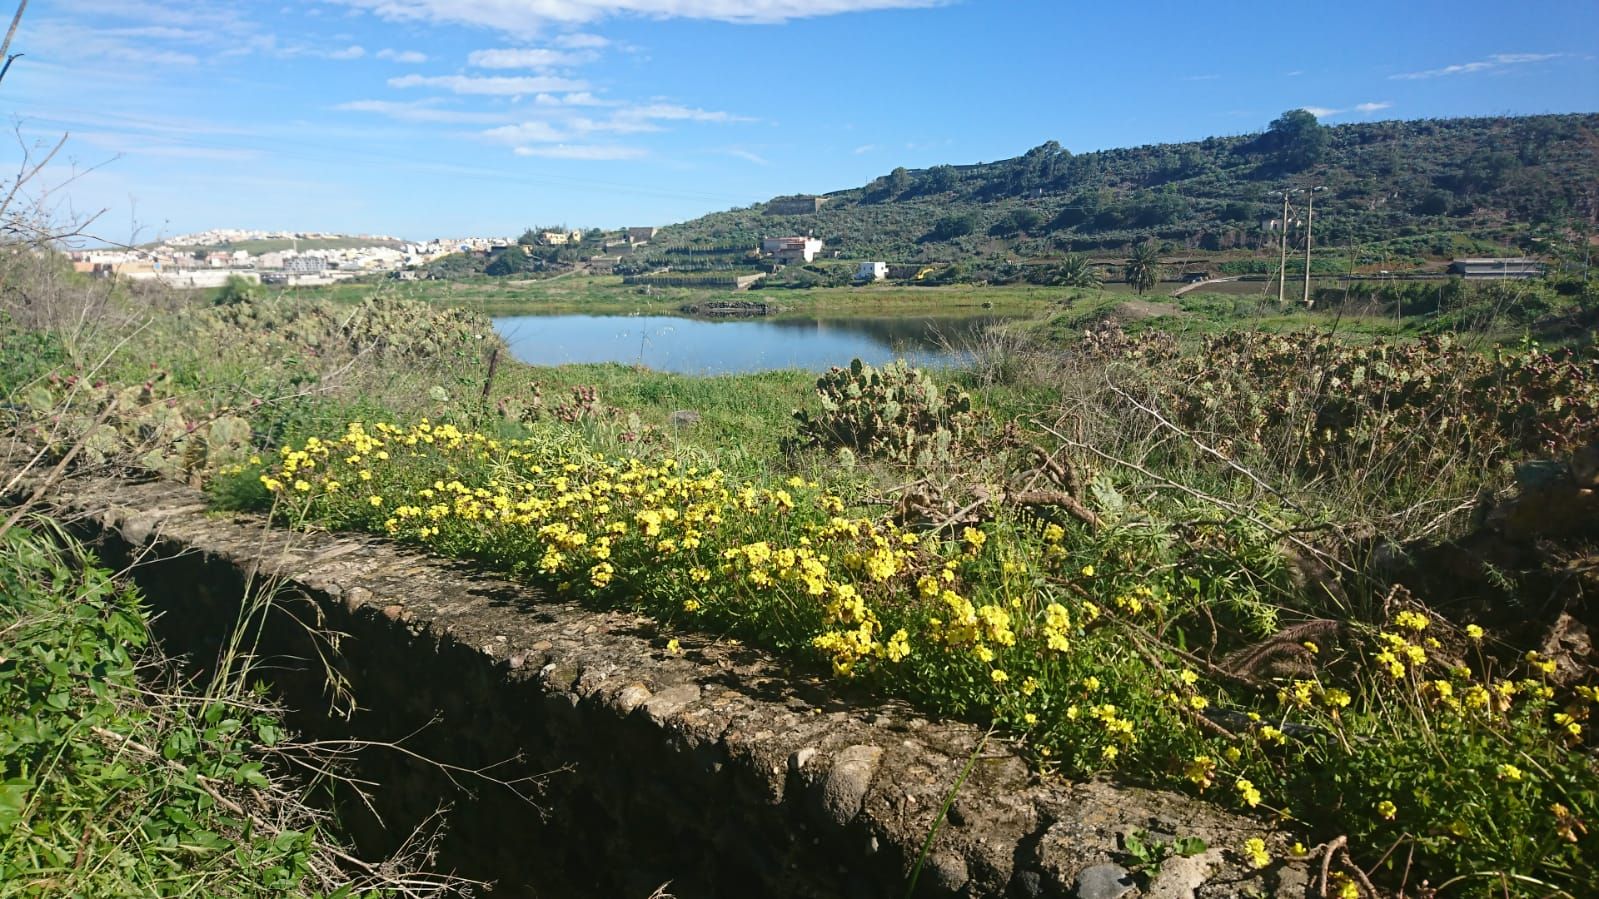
114,781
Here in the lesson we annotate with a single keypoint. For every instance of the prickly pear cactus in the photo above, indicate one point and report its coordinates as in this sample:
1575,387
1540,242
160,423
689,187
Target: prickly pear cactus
895,412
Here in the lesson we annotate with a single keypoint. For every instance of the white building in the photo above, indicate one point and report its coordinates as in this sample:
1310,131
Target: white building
304,265
872,271
791,249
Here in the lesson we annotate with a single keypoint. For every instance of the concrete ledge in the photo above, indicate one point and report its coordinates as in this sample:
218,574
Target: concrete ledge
717,769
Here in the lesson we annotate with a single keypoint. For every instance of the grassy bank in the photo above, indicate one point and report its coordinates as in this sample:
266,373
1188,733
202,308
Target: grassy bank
118,779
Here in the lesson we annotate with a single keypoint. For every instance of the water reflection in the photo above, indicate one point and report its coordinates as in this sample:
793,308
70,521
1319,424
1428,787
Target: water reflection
701,346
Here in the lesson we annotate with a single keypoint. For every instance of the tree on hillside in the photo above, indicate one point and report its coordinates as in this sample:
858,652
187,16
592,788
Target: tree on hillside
1297,139
939,178
1143,267
953,226
1018,221
513,260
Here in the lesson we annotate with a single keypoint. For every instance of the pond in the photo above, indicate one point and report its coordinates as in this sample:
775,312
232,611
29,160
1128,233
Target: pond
739,345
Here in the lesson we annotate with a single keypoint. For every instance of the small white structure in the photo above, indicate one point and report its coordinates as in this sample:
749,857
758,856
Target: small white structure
872,271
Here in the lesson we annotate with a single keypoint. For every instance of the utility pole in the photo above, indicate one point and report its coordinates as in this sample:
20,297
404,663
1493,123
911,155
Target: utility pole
1282,266
1310,217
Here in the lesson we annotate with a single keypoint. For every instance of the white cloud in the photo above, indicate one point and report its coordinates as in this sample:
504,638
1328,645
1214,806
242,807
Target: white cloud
411,57
747,155
583,151
420,112
524,132
864,149
495,86
673,112
351,52
1201,77
1321,112
1377,106
528,58
612,125
577,40
530,16
1493,63
579,98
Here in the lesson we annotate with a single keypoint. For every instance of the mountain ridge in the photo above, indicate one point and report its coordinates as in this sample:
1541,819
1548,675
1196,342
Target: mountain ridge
1456,184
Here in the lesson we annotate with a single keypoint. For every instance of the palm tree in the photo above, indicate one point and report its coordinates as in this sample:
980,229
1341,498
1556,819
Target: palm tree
1143,268
1074,271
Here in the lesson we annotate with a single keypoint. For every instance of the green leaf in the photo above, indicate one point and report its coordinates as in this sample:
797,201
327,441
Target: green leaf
13,800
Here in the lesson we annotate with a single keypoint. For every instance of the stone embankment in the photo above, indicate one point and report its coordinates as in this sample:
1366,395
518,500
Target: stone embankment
713,768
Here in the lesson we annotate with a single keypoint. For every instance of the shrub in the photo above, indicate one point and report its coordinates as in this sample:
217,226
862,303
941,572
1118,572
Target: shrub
895,413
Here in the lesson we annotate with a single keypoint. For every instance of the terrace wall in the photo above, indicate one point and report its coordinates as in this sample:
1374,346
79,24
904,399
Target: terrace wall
716,768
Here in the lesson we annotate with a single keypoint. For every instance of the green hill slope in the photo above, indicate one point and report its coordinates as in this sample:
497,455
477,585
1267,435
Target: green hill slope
1426,188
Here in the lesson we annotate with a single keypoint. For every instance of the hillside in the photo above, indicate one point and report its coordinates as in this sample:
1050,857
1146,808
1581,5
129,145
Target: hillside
1422,188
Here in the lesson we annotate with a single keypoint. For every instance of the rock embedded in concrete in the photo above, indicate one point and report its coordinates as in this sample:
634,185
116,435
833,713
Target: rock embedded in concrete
946,871
631,697
1179,876
1103,881
848,781
668,702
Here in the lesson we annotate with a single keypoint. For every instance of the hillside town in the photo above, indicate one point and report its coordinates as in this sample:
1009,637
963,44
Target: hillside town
209,258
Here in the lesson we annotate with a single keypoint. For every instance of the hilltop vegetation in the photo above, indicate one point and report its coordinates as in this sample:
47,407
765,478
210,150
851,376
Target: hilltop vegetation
1421,188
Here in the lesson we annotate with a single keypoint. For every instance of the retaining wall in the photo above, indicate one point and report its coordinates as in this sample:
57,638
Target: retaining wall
715,769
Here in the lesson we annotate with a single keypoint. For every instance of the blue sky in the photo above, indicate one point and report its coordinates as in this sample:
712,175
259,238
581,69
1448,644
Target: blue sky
424,118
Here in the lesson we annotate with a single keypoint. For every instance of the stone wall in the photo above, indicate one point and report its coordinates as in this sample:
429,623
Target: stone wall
716,769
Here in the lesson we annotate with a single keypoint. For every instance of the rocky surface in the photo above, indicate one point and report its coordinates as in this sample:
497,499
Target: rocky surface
714,767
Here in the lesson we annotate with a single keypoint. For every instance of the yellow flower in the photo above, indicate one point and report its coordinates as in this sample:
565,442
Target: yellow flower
1030,719
1091,683
1088,571
1200,770
1474,632
1386,810
1510,772
673,647
1247,792
974,538
998,676
1411,621
898,646
375,500
1255,850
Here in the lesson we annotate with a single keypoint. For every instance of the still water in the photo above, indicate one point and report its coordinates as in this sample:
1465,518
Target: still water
717,346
